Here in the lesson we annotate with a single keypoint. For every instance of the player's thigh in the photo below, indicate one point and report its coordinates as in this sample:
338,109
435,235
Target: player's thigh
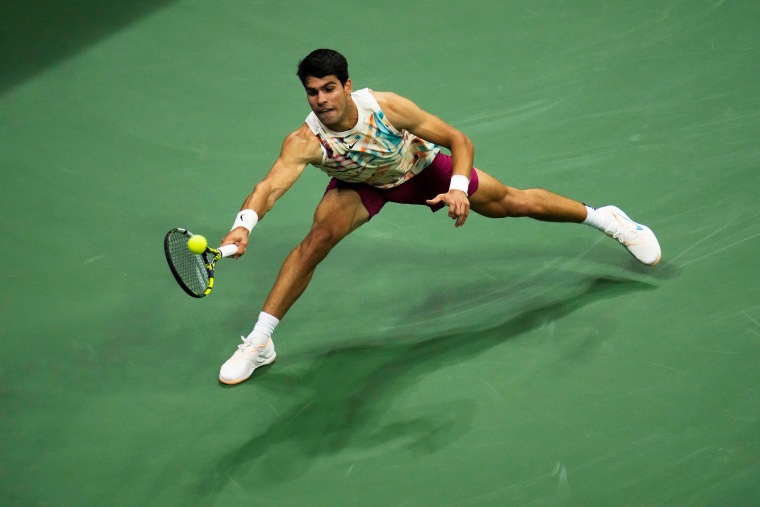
492,198
340,211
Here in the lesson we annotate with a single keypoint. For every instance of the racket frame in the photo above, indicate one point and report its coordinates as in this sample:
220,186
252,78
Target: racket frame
209,257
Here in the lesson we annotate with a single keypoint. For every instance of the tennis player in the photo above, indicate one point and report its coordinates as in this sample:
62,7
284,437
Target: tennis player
379,147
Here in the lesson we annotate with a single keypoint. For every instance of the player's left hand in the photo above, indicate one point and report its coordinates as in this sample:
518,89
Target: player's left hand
459,205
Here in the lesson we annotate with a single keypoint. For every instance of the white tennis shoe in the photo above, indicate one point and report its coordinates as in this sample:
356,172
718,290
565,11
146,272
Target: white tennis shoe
246,358
638,239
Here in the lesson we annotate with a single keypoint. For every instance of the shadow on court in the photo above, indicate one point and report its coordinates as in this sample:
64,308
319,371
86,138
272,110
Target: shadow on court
37,35
352,386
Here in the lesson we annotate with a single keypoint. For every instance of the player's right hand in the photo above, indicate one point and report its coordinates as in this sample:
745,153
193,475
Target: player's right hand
238,236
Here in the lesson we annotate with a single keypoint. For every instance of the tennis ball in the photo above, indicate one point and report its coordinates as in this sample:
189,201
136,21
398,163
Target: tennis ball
197,244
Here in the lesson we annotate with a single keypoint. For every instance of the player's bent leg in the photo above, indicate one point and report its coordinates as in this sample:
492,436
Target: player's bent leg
337,215
494,199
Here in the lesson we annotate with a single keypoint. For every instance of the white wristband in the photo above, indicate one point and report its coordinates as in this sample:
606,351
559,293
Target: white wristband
246,218
460,182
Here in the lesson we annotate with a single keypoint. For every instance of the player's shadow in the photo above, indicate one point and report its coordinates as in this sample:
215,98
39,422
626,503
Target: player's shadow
348,390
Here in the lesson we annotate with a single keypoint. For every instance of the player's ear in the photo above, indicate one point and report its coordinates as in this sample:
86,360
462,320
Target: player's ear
348,87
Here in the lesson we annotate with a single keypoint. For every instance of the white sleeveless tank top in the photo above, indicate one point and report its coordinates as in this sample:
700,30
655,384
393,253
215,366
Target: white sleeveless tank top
373,152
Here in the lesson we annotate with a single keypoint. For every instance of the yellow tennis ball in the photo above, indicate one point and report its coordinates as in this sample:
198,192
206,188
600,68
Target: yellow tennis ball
197,244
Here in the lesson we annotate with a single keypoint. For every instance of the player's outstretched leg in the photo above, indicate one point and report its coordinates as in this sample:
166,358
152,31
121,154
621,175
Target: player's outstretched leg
496,200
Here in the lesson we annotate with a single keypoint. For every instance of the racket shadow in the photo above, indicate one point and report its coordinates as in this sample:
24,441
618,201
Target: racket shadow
351,387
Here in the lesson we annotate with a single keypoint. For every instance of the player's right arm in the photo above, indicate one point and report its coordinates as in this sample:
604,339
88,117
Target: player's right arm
299,149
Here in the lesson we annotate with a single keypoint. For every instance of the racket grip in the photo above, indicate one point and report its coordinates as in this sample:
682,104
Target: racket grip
228,250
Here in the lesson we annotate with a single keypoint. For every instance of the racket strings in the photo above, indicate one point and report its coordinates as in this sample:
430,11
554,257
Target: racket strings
189,267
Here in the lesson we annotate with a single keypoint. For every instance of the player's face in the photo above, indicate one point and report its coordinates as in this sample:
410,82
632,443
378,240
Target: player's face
331,102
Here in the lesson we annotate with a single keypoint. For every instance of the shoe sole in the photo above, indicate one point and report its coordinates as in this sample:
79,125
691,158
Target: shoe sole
647,263
237,381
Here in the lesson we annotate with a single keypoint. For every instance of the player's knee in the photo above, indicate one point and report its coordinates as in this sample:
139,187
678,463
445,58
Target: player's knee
505,202
322,238
518,206
509,203
528,203
514,204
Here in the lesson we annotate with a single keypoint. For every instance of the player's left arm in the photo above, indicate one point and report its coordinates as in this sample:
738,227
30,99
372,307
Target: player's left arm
404,114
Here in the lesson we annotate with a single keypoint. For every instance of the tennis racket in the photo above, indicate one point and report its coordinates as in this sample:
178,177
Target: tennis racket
193,272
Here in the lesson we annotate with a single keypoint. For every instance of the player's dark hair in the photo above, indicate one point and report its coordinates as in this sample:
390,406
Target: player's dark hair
321,63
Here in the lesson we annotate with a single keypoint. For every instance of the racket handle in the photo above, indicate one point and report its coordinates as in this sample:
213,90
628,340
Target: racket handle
228,250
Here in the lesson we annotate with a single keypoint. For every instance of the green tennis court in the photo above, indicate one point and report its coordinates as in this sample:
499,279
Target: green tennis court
504,363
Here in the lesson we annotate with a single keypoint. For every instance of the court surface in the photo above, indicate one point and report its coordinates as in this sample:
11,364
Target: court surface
504,363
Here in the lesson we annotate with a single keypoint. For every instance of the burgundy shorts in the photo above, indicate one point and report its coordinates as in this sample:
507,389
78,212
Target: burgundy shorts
433,180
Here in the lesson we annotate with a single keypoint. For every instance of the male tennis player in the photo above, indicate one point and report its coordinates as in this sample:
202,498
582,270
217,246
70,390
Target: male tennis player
379,147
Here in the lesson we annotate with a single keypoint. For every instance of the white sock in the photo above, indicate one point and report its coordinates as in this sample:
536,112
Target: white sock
263,329
599,220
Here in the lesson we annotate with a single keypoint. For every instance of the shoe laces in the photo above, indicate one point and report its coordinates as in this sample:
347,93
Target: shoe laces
246,345
626,232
